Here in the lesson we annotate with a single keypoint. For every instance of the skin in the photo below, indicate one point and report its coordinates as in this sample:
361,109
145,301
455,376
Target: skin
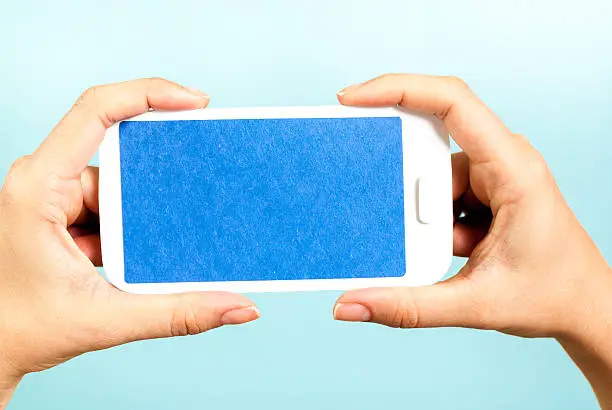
55,304
532,270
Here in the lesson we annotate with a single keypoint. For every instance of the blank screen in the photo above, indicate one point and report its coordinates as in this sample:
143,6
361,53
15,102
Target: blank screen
262,199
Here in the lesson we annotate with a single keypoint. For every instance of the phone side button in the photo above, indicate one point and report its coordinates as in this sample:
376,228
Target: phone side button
424,200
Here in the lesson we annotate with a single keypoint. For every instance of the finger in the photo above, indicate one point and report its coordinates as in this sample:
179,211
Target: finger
89,185
449,303
72,144
133,317
89,244
461,174
470,203
472,223
466,238
87,214
472,125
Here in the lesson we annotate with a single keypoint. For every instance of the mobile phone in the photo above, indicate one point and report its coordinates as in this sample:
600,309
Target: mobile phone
275,199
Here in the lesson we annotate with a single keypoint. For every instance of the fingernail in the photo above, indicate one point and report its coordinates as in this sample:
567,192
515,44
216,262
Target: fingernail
241,315
347,89
352,312
197,92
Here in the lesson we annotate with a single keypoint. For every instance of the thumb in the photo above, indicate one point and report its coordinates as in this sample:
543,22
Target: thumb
139,317
446,304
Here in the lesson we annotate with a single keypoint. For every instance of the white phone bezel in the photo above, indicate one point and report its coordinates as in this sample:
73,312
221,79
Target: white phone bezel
427,201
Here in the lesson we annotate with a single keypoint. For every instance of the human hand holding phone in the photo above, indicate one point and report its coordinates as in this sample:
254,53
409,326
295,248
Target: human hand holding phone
532,270
54,304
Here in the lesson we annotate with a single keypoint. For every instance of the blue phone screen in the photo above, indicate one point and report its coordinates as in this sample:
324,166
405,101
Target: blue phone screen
262,199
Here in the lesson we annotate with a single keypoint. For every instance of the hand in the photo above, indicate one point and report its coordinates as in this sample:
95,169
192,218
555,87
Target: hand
54,304
532,269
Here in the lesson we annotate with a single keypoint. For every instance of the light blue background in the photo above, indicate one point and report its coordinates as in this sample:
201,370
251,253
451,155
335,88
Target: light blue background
544,66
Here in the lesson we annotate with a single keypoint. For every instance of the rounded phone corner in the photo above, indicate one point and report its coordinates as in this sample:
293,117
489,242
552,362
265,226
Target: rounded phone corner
443,268
430,269
440,265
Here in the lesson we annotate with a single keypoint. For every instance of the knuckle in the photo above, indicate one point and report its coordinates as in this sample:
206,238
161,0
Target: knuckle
153,82
480,312
90,93
528,167
405,312
536,170
88,97
19,167
30,193
484,308
485,316
14,184
457,84
521,138
21,162
389,76
482,318
184,319
456,90
94,102
538,163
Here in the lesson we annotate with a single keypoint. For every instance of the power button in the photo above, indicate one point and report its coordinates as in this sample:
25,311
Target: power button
425,200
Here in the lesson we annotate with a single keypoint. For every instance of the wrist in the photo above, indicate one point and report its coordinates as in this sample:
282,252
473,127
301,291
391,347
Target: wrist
8,384
587,340
590,316
9,379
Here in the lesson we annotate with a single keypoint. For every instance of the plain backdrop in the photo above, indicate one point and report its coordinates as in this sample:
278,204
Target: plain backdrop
544,66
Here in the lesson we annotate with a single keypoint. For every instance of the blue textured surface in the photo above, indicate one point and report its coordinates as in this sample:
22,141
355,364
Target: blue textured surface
266,199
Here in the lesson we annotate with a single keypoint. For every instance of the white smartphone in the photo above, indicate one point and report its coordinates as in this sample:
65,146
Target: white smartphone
275,199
